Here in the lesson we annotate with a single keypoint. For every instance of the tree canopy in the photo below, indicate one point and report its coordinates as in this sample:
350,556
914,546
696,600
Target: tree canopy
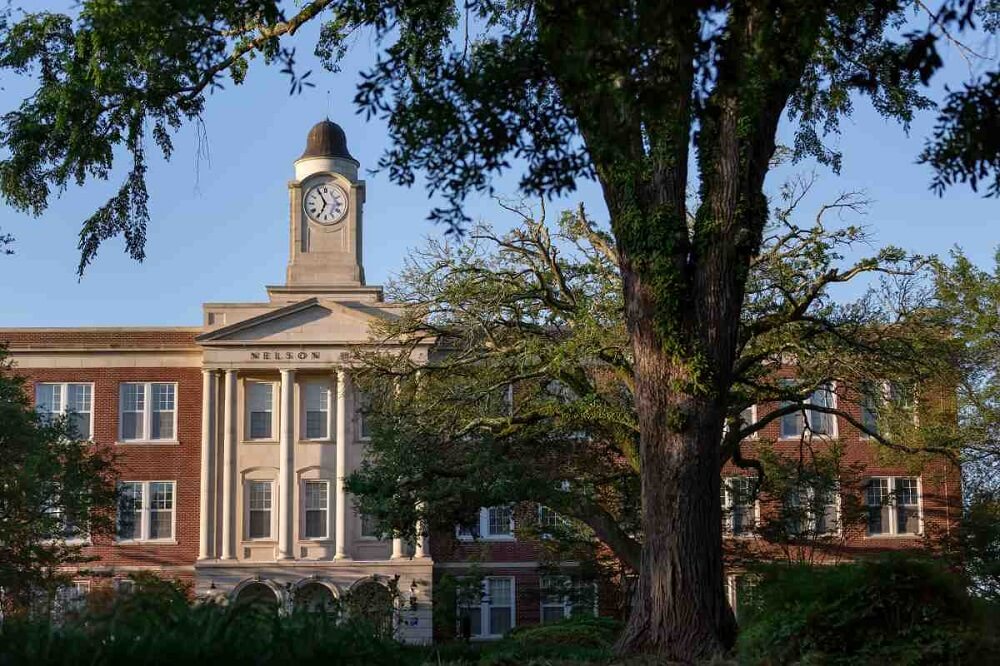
528,395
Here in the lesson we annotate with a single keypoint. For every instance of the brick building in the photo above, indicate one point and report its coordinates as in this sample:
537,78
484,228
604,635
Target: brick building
220,489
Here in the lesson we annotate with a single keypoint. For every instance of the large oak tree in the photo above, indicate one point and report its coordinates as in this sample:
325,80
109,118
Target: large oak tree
633,93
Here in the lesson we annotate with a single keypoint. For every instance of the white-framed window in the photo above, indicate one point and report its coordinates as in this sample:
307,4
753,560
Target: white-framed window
316,509
370,527
363,410
496,523
563,597
819,423
54,399
813,510
549,519
259,513
71,597
317,417
493,614
260,410
739,506
741,590
748,417
894,506
124,586
147,412
876,395
146,511
68,530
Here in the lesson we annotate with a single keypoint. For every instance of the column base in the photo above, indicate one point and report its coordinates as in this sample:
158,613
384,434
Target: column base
340,556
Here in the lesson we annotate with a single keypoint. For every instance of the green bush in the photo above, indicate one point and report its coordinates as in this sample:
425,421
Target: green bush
159,626
583,631
897,610
574,641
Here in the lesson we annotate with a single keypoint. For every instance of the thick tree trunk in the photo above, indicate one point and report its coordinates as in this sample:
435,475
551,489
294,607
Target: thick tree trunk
680,610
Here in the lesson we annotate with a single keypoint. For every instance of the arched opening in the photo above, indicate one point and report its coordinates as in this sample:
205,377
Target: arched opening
315,597
258,596
370,603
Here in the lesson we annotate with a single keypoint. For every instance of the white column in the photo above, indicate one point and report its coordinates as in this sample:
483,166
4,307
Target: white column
397,548
286,465
341,526
206,544
422,547
228,467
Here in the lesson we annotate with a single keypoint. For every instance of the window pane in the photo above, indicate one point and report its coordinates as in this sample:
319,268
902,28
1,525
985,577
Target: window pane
499,620
259,502
316,493
163,399
260,425
791,424
871,398
471,619
739,503
316,425
260,524
131,425
906,491
130,511
499,521
133,404
315,524
317,408
78,403
879,510
48,399
80,425
161,504
821,423
499,591
259,404
133,397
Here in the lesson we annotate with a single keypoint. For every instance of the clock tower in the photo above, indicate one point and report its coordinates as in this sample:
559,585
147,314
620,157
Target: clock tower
326,199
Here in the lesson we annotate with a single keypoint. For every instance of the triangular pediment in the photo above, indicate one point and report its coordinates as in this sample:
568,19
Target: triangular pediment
312,321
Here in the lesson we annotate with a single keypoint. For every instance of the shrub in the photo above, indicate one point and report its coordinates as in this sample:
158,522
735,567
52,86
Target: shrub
898,610
157,625
582,631
579,640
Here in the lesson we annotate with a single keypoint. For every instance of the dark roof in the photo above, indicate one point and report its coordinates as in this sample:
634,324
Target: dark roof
327,139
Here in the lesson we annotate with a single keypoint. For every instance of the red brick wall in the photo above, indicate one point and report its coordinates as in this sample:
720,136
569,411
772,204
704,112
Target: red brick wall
146,462
99,338
941,486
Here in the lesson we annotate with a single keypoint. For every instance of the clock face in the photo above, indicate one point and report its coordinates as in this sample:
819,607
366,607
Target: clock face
325,203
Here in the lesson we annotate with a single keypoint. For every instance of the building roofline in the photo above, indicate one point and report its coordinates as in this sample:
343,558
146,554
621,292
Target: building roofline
102,329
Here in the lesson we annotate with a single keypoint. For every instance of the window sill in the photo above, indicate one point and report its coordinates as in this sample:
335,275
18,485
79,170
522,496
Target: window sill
315,541
894,536
327,440
259,542
488,539
145,542
258,441
148,442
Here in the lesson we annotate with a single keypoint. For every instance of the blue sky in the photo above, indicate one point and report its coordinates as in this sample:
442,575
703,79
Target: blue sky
219,208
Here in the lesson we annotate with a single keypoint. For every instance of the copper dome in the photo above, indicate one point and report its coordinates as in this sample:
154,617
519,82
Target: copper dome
327,139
